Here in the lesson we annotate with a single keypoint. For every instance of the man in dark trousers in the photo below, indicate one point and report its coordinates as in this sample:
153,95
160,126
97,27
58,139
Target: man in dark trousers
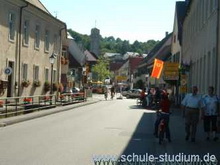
191,105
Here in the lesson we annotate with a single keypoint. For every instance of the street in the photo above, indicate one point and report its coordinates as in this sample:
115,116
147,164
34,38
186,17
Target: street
112,127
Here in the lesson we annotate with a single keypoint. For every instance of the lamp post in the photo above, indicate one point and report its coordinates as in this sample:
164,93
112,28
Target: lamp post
52,59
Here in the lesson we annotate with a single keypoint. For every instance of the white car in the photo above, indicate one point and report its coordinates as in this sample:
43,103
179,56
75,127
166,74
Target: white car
133,93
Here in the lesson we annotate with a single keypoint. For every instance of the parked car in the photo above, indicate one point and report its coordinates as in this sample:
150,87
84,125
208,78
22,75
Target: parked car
133,93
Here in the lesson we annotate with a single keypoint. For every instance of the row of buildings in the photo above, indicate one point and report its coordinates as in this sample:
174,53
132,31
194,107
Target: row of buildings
193,44
29,37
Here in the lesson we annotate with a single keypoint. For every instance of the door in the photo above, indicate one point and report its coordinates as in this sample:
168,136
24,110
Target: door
10,80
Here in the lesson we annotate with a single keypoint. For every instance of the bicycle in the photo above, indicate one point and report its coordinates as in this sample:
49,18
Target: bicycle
139,101
112,95
163,127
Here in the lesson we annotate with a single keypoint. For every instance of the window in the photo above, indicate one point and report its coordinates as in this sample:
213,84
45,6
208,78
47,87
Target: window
11,26
64,53
46,42
56,46
46,74
37,36
36,73
26,32
24,71
54,75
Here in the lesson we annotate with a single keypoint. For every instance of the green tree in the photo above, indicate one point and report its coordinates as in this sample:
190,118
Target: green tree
101,69
112,45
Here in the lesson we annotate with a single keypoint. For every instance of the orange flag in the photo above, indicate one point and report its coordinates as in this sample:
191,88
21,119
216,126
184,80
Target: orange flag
157,69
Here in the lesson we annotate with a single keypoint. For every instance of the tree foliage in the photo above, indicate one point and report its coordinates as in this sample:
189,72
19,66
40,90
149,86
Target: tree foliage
101,69
112,45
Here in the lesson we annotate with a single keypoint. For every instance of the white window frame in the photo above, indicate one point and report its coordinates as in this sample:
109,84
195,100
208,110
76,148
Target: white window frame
54,75
46,74
26,31
11,26
25,71
56,46
36,73
37,37
47,40
64,53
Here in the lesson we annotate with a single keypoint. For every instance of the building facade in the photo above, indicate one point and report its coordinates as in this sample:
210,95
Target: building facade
29,35
200,44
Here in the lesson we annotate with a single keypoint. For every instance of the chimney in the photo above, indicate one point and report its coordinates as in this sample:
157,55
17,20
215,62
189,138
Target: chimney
166,34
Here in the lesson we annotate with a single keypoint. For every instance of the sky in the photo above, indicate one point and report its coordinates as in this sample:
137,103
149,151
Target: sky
140,20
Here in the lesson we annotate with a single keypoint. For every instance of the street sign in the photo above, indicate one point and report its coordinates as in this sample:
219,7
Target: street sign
171,71
8,71
121,78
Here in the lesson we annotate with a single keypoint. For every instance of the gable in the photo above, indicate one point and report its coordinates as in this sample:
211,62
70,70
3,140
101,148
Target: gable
38,4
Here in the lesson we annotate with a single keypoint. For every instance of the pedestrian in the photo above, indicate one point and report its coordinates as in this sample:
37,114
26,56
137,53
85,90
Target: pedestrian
106,92
163,114
143,97
210,112
112,92
191,105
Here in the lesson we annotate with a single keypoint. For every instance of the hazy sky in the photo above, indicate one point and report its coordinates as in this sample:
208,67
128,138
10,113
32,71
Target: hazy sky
127,19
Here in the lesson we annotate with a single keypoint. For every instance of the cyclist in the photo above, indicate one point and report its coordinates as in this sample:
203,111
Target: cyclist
143,97
163,115
112,92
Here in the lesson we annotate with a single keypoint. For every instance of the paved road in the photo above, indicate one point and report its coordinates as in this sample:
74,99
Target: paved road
113,127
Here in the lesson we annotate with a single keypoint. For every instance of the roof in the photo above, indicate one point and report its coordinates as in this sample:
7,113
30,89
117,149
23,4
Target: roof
111,54
181,7
75,52
130,54
188,4
158,49
134,62
115,66
89,56
39,5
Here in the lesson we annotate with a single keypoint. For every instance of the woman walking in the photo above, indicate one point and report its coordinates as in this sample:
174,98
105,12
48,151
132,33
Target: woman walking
210,112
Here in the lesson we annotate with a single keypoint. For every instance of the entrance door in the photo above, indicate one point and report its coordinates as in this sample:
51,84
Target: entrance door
10,80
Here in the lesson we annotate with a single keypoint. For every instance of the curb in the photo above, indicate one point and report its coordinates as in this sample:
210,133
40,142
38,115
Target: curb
17,119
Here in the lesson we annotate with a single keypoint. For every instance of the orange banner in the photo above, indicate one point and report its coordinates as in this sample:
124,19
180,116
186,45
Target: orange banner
157,69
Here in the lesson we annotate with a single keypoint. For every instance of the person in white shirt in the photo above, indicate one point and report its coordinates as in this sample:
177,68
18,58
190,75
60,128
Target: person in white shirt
210,112
191,105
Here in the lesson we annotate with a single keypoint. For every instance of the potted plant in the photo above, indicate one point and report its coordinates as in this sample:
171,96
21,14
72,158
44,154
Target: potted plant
1,103
37,83
47,86
25,83
27,100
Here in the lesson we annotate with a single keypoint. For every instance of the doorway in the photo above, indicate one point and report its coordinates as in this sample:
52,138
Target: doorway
10,80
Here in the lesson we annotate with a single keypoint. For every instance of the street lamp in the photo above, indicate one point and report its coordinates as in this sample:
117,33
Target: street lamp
52,60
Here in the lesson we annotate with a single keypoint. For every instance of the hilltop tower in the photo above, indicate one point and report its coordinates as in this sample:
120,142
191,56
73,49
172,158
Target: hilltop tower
95,41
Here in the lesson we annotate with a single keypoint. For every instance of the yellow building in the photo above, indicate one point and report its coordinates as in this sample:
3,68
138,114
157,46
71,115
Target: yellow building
29,35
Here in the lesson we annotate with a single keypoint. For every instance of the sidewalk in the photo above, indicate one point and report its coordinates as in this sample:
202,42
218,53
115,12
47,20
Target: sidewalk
16,119
180,145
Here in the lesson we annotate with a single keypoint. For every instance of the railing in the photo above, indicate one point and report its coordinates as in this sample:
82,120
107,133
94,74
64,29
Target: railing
13,106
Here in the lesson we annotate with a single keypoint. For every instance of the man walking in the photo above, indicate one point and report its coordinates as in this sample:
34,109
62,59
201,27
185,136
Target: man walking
210,112
191,111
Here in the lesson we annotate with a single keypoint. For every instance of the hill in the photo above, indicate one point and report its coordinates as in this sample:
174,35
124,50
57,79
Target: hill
110,44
